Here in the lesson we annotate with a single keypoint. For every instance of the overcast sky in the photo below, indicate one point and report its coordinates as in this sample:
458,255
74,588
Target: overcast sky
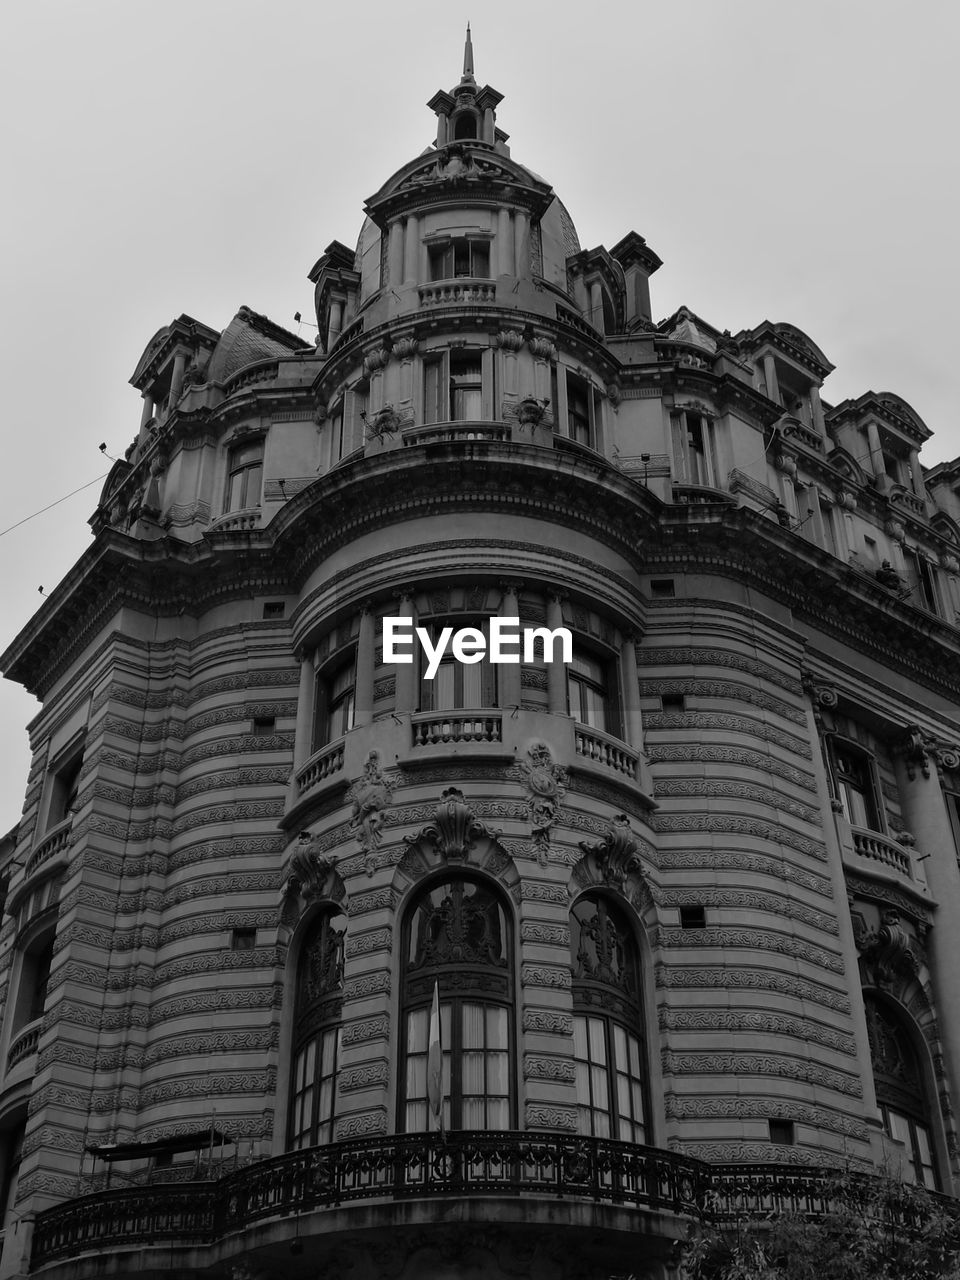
792,162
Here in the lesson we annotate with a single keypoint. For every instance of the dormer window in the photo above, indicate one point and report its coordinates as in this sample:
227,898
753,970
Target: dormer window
457,259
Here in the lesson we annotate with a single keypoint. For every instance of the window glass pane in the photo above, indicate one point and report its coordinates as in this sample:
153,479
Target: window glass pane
598,1047
580,1037
473,1026
472,1079
497,1078
496,1027
418,1026
310,1061
472,685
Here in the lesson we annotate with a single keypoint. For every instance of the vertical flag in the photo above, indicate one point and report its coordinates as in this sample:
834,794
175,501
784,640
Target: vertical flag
435,1065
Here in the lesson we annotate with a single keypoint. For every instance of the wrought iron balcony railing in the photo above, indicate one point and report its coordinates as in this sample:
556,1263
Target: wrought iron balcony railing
402,1167
463,1164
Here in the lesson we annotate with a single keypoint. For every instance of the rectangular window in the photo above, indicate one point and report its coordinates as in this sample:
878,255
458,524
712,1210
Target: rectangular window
314,1090
694,449
607,1062
433,403
475,1071
578,410
591,693
245,475
856,786
460,259
334,706
458,685
466,386
64,787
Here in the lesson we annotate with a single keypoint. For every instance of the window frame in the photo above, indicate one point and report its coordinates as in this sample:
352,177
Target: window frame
610,689
244,469
606,1002
869,789
328,701
459,258
908,1104
695,466
463,985
317,1027
485,669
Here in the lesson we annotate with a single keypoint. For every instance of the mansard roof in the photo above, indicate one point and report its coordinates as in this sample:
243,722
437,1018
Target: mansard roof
248,338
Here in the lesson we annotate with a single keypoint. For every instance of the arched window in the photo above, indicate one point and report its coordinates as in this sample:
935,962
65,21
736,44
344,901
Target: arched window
609,1050
458,935
316,1034
898,1079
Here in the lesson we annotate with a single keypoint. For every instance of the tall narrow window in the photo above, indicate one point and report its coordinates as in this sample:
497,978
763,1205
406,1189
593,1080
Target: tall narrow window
458,685
434,409
592,692
856,785
64,784
578,410
316,1044
898,1079
608,1044
245,473
335,703
466,386
694,449
457,935
460,259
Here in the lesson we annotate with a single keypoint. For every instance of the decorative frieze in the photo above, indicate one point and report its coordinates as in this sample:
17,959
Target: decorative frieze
677,1063
749,900
554,935
740,1107
362,1032
762,1021
699,688
366,1124
690,752
754,940
705,721
538,1067
375,940
684,977
369,1076
734,860
532,975
538,1116
748,791
548,1021
769,832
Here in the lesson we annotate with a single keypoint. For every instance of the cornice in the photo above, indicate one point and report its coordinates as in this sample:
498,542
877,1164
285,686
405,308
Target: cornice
554,487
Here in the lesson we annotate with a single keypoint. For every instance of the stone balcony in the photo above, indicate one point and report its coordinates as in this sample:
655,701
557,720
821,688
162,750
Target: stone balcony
876,855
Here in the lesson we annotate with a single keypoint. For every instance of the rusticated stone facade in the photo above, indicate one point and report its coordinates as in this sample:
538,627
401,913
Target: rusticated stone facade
687,903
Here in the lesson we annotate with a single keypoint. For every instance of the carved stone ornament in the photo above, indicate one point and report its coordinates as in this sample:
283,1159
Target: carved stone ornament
785,463
949,562
947,757
886,950
455,828
369,795
617,856
888,577
404,348
530,411
375,359
613,394
545,783
385,422
915,750
310,871
509,339
895,529
542,348
846,500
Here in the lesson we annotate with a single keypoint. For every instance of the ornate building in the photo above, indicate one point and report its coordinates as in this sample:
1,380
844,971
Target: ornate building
687,900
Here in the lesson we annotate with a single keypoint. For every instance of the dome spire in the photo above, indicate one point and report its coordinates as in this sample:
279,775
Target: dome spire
467,58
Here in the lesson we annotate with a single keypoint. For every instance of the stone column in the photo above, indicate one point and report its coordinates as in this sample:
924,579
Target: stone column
770,377
916,475
411,250
816,411
366,656
521,228
596,305
505,252
556,671
303,741
928,821
334,322
632,718
176,379
395,252
509,672
407,673
876,451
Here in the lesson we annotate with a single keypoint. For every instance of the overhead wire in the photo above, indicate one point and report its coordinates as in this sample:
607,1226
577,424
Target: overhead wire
51,505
